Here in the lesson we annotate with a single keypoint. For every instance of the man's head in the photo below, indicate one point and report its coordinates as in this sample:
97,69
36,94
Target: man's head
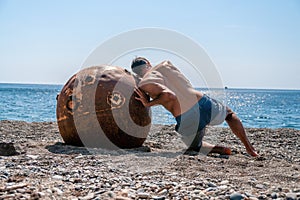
140,66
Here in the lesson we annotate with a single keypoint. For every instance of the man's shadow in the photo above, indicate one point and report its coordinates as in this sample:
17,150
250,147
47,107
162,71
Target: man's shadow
143,151
62,148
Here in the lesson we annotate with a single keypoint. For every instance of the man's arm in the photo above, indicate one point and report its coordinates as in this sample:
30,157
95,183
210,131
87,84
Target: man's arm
159,95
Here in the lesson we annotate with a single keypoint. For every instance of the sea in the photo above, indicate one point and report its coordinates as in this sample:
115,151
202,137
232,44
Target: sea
257,108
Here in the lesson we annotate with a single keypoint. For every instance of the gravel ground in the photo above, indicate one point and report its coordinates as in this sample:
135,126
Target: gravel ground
46,168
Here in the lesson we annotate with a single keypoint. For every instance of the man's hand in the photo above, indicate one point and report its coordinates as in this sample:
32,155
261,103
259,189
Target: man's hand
142,97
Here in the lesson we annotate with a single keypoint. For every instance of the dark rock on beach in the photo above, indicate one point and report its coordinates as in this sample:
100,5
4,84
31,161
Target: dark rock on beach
41,166
7,149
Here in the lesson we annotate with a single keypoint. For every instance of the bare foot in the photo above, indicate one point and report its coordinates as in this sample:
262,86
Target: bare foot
221,150
252,152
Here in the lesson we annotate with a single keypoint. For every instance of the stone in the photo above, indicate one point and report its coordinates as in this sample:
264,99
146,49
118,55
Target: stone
259,186
32,156
123,193
253,198
57,177
88,196
224,182
248,194
262,197
223,187
57,191
236,196
211,184
274,195
41,194
296,190
209,189
285,190
143,195
121,198
158,197
7,149
291,196
164,192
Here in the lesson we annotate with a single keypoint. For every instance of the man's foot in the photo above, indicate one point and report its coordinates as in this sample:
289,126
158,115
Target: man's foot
252,152
192,151
221,150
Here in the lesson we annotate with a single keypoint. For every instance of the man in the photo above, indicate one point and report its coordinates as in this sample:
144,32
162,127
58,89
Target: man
193,110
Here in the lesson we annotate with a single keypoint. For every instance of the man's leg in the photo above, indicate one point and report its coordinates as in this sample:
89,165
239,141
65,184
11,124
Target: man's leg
196,144
204,147
237,128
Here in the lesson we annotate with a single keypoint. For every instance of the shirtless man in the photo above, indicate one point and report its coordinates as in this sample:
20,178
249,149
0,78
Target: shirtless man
193,110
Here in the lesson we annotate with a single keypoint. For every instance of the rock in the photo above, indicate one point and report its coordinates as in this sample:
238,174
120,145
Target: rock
88,196
21,190
109,195
223,187
236,196
123,193
259,186
121,198
274,195
253,198
12,186
296,190
158,197
196,198
262,197
224,156
164,192
286,190
248,194
32,156
210,189
41,194
49,191
57,177
224,182
8,196
140,190
143,195
211,184
291,196
7,149
253,179
57,191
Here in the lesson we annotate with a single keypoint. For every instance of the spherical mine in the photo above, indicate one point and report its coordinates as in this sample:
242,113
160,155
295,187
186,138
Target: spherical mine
97,108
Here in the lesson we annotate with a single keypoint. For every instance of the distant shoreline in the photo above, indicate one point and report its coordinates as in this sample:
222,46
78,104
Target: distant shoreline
201,88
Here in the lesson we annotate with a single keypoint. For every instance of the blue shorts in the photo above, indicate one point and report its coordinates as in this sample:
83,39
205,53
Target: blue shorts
191,124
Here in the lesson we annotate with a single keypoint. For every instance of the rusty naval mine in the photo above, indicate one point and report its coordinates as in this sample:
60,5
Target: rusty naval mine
97,108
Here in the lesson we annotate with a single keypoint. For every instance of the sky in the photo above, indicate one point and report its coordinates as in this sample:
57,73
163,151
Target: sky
254,44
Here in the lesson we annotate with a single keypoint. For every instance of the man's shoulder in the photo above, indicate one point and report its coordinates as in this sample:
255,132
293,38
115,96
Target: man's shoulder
153,74
165,63
152,77
165,67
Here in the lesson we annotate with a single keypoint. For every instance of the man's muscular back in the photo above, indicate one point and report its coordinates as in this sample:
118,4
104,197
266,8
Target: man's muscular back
168,79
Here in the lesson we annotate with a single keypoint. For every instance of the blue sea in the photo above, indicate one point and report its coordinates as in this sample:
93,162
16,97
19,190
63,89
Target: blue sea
257,108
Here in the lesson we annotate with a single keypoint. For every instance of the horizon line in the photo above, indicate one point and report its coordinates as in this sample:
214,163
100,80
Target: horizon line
225,87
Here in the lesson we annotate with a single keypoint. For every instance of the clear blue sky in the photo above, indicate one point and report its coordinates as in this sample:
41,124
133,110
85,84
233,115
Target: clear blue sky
254,44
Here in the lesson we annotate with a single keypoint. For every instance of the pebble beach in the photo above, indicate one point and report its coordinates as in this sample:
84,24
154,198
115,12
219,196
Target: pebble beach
36,164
